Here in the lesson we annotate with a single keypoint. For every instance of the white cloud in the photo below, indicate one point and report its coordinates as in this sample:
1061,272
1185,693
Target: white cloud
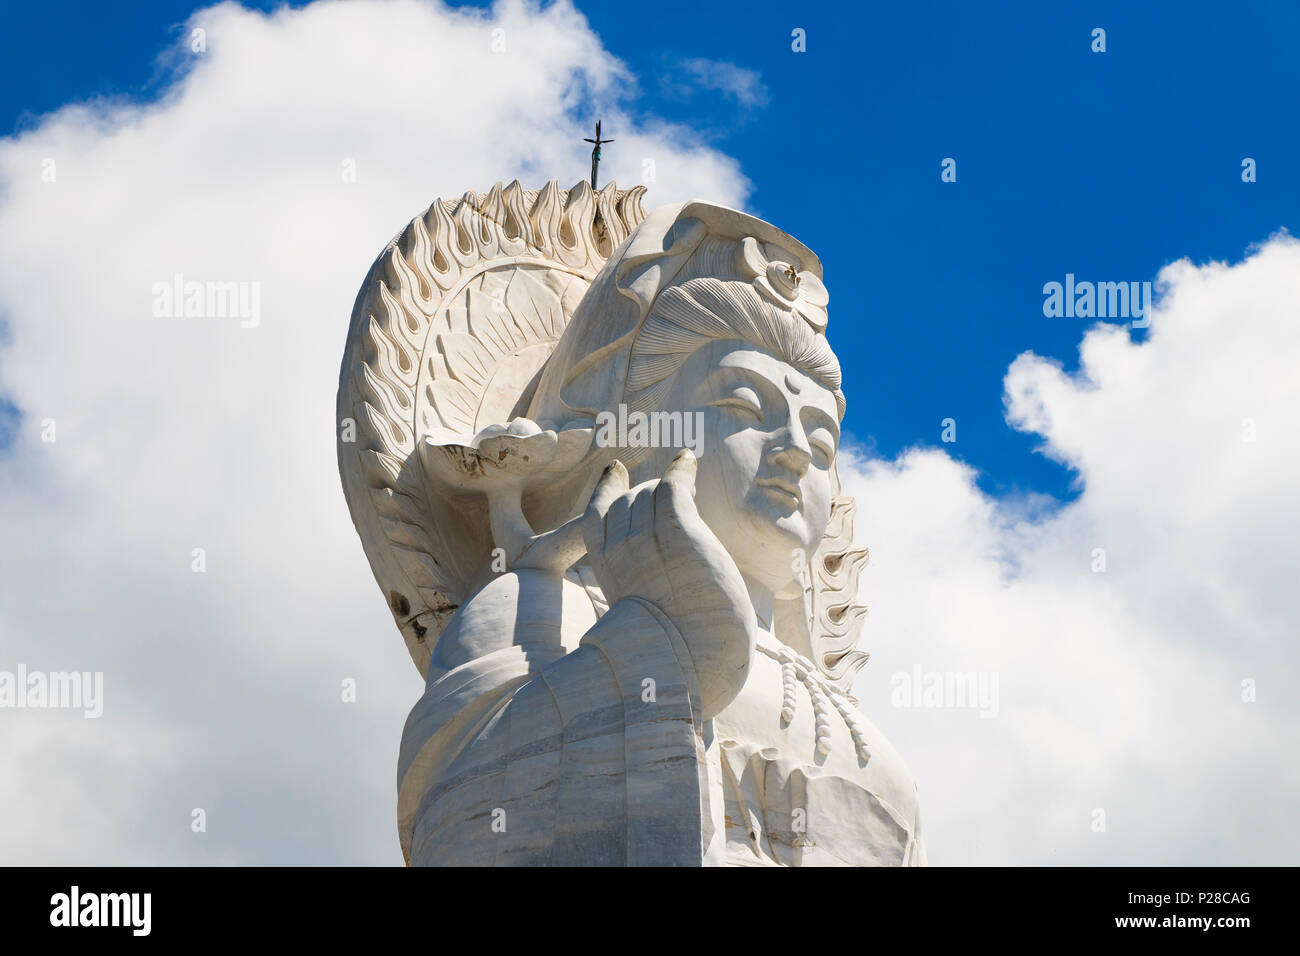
222,690
1119,690
743,85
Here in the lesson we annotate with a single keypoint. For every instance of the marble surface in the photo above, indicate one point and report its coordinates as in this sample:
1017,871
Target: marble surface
635,653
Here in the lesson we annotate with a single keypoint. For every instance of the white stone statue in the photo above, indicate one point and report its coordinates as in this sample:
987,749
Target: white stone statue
635,652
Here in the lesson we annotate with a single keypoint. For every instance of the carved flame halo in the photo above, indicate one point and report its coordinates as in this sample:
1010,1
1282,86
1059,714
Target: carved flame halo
455,317
450,340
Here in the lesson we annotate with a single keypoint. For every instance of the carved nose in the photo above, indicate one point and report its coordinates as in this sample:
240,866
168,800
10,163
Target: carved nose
790,449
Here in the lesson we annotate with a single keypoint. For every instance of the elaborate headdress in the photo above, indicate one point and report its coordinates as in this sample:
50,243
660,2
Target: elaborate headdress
609,352
490,332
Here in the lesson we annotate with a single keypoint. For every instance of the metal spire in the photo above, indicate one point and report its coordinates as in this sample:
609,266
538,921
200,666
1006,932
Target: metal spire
595,153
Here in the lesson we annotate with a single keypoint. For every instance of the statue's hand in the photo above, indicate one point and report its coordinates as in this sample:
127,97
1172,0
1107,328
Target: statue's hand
650,542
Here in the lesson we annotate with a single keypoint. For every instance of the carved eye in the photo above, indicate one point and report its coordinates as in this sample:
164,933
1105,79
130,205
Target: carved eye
823,447
744,400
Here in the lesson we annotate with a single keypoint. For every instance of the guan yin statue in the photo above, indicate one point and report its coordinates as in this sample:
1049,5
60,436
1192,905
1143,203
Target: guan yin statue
591,456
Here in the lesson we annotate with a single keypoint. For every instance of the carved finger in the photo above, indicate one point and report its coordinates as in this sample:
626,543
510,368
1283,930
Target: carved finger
674,498
643,509
617,519
681,472
556,550
611,486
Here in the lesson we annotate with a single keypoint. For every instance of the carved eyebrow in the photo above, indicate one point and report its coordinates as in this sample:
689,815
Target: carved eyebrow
730,374
738,373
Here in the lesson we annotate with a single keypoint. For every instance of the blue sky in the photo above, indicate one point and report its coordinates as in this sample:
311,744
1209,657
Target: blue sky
1117,679
1106,165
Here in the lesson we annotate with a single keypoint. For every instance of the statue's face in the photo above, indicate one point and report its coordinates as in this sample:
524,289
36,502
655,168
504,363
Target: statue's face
770,437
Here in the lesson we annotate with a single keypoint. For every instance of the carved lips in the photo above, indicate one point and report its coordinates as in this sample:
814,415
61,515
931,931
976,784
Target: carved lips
782,491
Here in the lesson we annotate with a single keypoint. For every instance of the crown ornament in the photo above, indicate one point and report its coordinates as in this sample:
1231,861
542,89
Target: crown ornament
782,284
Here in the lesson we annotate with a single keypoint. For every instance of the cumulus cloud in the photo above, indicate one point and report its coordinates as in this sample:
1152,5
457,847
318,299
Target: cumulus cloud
223,688
1119,690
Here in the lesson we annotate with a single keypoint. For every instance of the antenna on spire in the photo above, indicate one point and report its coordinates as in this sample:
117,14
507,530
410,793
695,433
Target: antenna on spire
595,153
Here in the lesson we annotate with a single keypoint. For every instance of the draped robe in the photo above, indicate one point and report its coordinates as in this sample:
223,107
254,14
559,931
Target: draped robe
528,750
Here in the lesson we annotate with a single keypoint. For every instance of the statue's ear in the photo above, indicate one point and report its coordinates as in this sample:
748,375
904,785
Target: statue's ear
651,261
